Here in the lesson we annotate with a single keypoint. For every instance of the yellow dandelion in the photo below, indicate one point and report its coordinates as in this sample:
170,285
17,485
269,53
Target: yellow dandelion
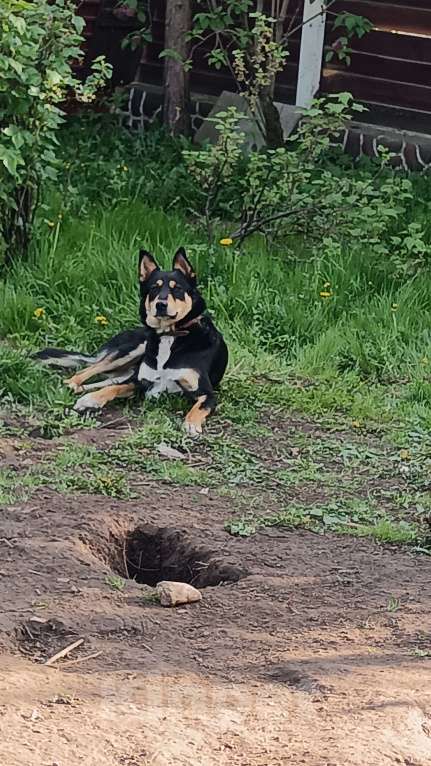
356,424
226,241
325,294
101,319
51,224
39,313
405,454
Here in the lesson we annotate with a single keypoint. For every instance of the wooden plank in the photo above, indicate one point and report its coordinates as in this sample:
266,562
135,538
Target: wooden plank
392,64
153,49
397,117
88,7
213,82
201,63
310,57
370,65
376,89
157,31
109,32
390,45
422,4
89,10
406,17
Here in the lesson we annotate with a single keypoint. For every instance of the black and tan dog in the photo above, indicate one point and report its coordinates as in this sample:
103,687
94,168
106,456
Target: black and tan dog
178,348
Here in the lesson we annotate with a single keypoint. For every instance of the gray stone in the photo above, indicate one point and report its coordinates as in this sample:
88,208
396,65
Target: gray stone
247,125
289,116
176,593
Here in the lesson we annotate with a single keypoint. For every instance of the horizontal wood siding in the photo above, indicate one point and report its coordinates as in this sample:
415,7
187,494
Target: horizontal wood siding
105,28
205,79
391,65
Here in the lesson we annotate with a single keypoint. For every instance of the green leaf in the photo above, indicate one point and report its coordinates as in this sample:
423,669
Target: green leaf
170,53
16,65
18,23
9,160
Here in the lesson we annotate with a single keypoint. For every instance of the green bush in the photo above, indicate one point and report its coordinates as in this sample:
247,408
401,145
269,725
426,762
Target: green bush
39,42
295,190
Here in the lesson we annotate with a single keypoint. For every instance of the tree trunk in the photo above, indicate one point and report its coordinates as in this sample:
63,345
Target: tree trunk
271,122
270,115
176,114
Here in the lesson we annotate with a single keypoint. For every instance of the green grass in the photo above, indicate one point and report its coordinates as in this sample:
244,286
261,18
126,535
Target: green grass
362,362
116,582
354,518
8,494
359,361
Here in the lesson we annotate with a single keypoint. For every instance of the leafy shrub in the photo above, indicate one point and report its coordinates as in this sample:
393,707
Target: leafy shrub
411,252
39,42
294,189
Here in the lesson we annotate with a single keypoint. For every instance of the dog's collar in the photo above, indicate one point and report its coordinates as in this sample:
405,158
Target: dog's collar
184,329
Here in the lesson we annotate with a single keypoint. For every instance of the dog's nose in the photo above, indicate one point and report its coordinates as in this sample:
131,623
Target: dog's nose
161,308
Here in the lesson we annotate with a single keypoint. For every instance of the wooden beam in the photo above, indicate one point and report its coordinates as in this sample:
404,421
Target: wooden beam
311,52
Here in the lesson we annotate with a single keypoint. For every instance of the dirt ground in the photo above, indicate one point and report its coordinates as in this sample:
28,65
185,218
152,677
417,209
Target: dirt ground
310,649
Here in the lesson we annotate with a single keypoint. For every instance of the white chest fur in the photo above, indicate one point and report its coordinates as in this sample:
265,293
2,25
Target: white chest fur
163,379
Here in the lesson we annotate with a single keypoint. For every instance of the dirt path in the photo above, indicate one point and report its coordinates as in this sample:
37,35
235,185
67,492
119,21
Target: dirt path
316,655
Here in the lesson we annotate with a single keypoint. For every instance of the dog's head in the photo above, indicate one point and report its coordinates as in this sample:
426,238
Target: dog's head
168,298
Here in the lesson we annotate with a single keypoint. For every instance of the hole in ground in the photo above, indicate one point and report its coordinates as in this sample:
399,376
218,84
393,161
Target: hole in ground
152,554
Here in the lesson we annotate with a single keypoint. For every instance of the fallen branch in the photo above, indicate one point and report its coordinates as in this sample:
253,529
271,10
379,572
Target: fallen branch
64,652
82,659
141,643
111,423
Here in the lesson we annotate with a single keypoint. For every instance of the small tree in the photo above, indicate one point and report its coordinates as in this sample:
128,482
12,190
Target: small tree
39,42
254,46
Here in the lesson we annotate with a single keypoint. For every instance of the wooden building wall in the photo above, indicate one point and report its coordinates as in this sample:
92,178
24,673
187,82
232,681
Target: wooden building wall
390,67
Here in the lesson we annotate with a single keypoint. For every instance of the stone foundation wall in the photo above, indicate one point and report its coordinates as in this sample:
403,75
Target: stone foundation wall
145,104
412,150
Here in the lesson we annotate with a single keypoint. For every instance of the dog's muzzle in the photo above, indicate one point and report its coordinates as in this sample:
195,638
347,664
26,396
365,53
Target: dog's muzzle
161,309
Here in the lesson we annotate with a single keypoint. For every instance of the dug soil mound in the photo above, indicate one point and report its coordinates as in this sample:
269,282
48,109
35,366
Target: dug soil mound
305,649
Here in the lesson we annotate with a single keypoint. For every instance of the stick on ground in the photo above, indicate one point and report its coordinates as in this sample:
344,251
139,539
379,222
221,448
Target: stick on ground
64,652
81,659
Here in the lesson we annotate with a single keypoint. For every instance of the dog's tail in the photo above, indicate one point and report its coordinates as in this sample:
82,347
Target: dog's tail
57,357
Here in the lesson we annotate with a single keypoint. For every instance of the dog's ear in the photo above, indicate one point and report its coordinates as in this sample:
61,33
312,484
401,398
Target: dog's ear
182,263
147,265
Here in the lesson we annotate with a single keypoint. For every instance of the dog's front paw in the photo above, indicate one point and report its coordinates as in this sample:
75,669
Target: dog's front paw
87,403
193,429
75,387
